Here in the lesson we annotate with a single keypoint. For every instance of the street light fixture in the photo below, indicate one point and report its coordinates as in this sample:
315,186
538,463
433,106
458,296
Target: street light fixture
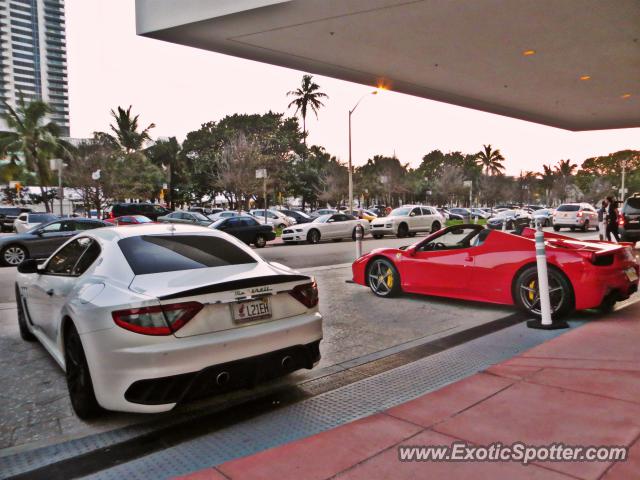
375,92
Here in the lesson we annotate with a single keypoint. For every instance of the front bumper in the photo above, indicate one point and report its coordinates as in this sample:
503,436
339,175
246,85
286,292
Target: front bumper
118,359
386,229
293,235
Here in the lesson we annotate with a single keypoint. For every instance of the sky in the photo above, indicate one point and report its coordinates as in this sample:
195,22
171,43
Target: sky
178,88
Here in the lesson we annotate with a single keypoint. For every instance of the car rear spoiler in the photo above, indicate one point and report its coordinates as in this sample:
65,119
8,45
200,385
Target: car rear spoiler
237,285
605,247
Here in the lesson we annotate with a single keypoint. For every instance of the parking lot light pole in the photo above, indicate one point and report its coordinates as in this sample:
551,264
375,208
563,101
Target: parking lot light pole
375,92
545,321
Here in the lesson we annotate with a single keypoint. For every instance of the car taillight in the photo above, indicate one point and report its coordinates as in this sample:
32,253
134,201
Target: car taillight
306,294
111,215
157,319
579,214
621,221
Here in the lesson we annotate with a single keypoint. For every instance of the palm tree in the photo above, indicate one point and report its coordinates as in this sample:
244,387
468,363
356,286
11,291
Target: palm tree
547,180
33,138
564,173
307,96
490,160
127,137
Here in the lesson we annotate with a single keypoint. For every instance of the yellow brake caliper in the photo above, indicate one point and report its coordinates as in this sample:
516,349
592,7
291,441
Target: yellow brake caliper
532,286
389,278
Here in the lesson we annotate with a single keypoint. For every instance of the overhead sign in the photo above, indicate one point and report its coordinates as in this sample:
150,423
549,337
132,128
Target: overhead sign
261,173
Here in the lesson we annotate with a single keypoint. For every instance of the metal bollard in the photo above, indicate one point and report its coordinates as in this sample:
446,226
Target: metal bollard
359,236
504,225
475,220
545,322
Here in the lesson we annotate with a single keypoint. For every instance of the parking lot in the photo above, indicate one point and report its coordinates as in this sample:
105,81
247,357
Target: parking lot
34,405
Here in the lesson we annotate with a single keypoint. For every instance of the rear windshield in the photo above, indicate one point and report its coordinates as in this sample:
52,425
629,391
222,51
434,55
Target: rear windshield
169,253
632,205
568,208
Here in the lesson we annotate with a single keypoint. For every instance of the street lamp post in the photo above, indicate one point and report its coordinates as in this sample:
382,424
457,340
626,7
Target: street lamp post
350,162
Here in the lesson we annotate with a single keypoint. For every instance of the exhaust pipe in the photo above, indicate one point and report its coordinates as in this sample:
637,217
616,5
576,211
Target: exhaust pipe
223,378
287,362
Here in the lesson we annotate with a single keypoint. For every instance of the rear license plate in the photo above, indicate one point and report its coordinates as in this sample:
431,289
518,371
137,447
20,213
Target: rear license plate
631,274
251,310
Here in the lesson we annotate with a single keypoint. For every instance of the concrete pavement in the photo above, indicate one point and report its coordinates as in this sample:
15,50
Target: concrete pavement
579,389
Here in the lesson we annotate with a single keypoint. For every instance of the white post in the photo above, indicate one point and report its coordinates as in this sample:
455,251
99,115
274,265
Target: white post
545,322
359,235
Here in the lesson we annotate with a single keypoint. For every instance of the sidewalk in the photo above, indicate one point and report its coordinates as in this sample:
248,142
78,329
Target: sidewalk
581,388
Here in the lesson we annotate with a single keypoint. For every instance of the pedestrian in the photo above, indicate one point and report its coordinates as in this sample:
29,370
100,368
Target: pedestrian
602,220
612,220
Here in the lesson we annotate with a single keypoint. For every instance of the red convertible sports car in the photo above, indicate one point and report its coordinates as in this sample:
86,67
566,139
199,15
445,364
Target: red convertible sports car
473,263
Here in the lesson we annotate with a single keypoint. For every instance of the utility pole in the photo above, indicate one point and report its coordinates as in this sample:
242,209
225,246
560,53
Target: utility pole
375,92
262,173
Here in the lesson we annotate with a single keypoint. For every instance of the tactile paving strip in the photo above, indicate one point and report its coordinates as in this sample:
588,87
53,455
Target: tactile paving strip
334,408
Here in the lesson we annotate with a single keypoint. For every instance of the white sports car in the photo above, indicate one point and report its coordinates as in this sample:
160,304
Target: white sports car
143,317
335,227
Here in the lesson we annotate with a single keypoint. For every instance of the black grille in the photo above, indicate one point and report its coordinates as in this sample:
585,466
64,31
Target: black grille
240,373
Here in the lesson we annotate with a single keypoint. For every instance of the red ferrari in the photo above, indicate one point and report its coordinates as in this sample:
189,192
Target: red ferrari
473,263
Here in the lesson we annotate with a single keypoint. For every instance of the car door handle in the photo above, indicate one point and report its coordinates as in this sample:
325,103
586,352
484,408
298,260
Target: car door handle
468,259
50,292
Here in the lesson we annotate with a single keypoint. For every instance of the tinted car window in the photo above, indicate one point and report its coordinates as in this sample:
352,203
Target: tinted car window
88,257
53,227
161,253
250,222
632,205
568,208
63,262
416,211
87,225
234,222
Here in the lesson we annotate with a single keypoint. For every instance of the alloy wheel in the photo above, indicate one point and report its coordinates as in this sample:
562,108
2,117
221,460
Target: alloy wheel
381,278
14,255
530,293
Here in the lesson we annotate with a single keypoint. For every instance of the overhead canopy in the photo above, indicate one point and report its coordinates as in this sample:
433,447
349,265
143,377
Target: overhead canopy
520,58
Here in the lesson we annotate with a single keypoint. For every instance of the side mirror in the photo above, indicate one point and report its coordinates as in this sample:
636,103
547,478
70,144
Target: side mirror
39,232
411,251
28,266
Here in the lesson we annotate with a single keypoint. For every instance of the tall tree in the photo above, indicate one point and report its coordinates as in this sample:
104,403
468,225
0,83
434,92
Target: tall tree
128,135
308,95
167,154
490,160
547,180
564,174
34,138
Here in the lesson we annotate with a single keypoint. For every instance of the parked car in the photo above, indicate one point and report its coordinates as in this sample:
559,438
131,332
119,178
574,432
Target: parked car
149,210
407,221
130,220
474,263
337,226
463,213
27,220
142,319
193,218
8,215
322,211
512,219
545,215
480,213
247,229
629,220
575,215
300,217
274,218
42,241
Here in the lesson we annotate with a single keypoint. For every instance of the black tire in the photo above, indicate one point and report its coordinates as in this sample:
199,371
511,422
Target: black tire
260,241
556,228
313,236
585,227
377,236
547,222
435,226
608,303
403,230
13,255
353,234
79,384
25,333
525,292
383,278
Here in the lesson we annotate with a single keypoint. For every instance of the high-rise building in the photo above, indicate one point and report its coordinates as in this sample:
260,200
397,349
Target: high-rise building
33,56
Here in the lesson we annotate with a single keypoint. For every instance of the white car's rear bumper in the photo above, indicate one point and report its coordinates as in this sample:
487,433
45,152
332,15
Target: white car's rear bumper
118,359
